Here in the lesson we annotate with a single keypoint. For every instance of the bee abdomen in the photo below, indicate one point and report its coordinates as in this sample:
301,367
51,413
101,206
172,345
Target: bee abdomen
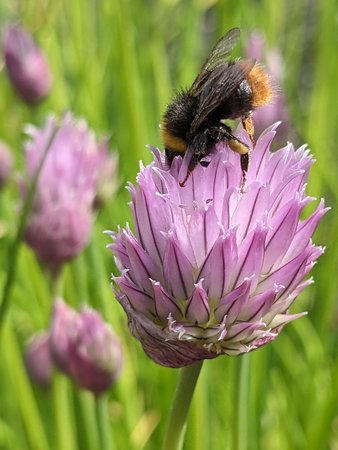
170,141
176,121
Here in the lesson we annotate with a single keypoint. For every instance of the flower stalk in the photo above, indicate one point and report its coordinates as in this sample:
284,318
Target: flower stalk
101,402
243,401
176,426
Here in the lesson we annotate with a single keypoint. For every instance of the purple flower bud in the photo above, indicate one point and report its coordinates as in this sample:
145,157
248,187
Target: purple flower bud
210,270
254,46
26,65
62,325
276,110
61,218
38,359
85,348
6,164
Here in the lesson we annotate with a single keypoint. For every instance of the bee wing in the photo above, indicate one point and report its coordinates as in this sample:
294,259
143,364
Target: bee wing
218,55
219,85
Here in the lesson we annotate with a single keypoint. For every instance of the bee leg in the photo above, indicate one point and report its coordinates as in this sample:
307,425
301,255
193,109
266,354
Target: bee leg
245,161
200,144
200,148
221,133
224,134
182,183
192,164
239,147
248,125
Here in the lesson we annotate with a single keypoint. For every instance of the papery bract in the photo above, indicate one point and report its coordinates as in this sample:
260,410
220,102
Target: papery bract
210,270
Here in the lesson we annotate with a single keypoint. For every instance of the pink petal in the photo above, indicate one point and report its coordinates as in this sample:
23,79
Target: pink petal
232,304
219,264
282,231
250,257
138,299
141,265
178,271
203,229
165,305
198,310
250,209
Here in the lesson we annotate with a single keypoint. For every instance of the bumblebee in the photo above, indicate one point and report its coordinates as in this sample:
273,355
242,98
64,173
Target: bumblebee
223,89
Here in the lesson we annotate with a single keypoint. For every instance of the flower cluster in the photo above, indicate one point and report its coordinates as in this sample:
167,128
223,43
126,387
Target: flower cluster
81,344
211,270
61,218
26,65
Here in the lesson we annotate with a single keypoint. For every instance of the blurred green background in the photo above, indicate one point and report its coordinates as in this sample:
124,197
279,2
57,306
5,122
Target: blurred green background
117,63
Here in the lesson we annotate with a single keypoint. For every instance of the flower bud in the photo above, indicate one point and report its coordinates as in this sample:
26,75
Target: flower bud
85,348
63,321
6,164
61,218
26,65
277,109
38,359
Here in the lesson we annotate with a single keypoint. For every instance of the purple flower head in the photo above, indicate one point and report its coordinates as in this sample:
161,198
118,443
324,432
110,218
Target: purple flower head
210,270
84,347
26,65
61,217
276,110
38,359
6,164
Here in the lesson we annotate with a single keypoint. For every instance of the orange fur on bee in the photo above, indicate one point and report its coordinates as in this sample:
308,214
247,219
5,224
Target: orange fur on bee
262,92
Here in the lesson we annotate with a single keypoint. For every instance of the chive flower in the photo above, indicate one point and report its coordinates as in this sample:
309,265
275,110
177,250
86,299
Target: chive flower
84,347
27,66
38,360
61,219
210,270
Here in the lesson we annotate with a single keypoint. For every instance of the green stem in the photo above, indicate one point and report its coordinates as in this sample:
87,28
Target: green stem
174,436
200,414
64,423
103,421
15,247
243,400
56,284
324,415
